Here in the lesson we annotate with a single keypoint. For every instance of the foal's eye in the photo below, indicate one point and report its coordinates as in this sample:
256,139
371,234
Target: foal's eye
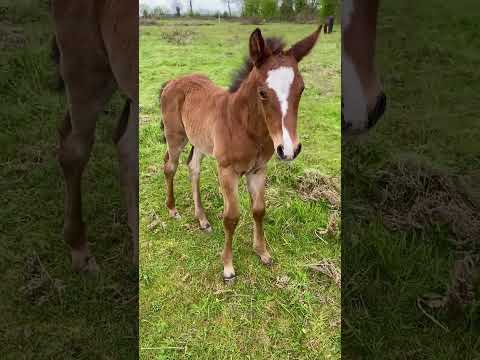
262,94
301,90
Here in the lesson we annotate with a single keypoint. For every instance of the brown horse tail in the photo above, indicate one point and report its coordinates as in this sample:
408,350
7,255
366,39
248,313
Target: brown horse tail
55,56
164,85
190,156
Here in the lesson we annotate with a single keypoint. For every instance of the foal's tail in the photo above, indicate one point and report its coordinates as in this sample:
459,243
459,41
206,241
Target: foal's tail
164,85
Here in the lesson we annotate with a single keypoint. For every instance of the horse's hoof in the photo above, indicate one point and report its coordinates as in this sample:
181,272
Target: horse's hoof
83,262
265,257
174,214
229,279
267,261
206,228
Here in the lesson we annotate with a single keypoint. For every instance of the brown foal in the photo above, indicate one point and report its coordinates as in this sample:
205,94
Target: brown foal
241,128
98,47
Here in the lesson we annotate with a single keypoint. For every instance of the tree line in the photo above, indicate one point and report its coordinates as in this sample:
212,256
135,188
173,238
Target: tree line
266,9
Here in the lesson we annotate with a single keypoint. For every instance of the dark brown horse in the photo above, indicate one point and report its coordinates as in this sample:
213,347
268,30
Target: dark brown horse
241,128
98,47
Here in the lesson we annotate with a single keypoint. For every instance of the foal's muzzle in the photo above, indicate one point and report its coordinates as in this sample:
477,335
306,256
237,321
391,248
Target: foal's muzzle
373,116
282,156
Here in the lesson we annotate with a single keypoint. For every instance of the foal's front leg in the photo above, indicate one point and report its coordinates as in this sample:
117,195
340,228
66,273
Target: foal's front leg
231,213
256,188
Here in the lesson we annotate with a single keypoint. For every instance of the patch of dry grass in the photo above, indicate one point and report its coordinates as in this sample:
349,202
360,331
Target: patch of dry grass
313,186
178,37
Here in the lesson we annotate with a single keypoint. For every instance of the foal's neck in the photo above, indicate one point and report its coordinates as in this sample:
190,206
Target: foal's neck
249,113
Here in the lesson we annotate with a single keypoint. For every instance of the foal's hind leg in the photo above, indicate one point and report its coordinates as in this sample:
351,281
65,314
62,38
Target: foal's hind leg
176,143
86,99
194,167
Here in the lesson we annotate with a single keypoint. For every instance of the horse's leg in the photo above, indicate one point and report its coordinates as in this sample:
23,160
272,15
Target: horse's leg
175,143
127,147
194,167
86,96
231,213
256,188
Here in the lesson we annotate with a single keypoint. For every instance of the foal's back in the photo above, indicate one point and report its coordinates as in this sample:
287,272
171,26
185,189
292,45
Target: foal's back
192,105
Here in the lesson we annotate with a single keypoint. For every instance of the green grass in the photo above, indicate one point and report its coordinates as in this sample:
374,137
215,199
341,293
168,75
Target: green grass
430,71
185,309
87,318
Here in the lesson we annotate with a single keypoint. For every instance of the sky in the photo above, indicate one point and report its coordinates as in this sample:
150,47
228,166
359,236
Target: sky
209,5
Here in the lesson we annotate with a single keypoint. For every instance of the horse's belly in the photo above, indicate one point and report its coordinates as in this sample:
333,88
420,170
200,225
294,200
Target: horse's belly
199,137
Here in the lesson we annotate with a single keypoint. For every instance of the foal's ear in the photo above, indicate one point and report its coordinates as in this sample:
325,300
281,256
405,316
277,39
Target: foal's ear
303,47
258,51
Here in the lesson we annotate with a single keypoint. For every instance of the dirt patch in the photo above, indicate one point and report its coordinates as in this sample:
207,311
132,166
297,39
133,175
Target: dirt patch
178,37
313,186
329,268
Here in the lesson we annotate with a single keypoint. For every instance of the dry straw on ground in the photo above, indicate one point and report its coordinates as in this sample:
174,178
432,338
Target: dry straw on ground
329,268
313,186
178,37
416,195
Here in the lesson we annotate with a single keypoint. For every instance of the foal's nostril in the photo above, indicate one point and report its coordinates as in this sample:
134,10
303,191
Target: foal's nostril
280,153
297,150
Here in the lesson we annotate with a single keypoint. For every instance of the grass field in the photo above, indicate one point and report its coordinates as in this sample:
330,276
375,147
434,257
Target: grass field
287,312
404,206
47,311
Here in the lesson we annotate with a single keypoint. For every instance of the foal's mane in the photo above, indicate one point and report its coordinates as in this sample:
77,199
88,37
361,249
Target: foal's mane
275,45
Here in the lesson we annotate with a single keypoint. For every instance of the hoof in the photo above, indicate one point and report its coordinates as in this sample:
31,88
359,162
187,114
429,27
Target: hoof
174,214
229,280
265,257
267,261
206,228
83,262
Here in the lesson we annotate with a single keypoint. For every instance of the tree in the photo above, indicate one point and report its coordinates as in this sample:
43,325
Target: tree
228,2
144,10
300,5
268,8
159,11
328,7
176,6
251,8
286,9
191,8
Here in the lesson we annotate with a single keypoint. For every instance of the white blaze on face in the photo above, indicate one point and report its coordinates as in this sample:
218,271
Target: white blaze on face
347,11
280,80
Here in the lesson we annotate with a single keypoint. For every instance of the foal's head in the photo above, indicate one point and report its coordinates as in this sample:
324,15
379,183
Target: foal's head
279,87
